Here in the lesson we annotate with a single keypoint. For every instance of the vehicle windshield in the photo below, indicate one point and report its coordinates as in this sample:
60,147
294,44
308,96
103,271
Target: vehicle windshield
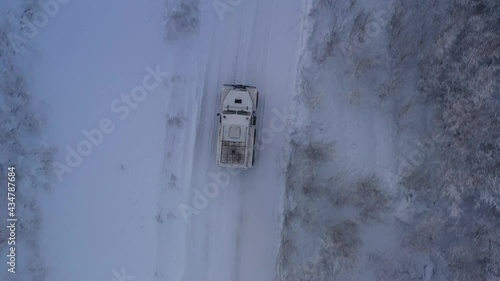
242,112
239,112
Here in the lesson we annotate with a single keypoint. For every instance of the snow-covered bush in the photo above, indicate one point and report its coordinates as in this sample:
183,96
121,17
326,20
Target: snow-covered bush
340,248
370,199
316,151
314,189
308,156
336,255
421,184
175,121
328,33
286,250
309,94
183,17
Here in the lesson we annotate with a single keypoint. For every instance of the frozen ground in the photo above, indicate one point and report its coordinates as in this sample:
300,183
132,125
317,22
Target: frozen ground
388,177
226,225
127,168
378,140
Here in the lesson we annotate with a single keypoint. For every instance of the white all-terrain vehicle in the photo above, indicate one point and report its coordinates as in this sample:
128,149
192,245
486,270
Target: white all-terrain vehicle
237,130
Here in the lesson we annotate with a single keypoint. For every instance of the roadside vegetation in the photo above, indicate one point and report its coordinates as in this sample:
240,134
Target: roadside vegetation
442,83
21,145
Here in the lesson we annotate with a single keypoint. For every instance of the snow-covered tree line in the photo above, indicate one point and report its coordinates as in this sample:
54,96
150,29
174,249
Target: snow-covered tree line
461,75
456,211
21,144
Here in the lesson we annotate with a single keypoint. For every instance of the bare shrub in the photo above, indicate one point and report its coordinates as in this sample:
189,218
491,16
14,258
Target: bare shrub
365,195
343,240
318,151
309,189
174,121
421,184
37,269
408,34
362,65
326,35
358,30
311,97
182,18
390,87
31,7
288,216
340,249
286,250
370,199
336,255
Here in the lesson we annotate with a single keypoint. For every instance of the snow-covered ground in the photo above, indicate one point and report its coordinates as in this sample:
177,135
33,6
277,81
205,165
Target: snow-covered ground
226,224
100,217
108,111
372,182
129,162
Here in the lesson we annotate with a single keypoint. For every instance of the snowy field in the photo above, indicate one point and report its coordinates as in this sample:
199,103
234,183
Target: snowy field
378,140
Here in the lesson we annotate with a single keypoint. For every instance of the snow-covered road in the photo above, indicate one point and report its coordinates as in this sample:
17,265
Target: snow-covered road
233,229
125,202
366,169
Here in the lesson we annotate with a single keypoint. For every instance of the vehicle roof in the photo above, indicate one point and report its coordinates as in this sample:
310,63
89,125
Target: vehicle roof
234,132
238,99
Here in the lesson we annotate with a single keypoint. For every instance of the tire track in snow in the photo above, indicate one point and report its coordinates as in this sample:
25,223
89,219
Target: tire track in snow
197,225
199,149
180,158
220,239
261,185
211,214
173,193
245,75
